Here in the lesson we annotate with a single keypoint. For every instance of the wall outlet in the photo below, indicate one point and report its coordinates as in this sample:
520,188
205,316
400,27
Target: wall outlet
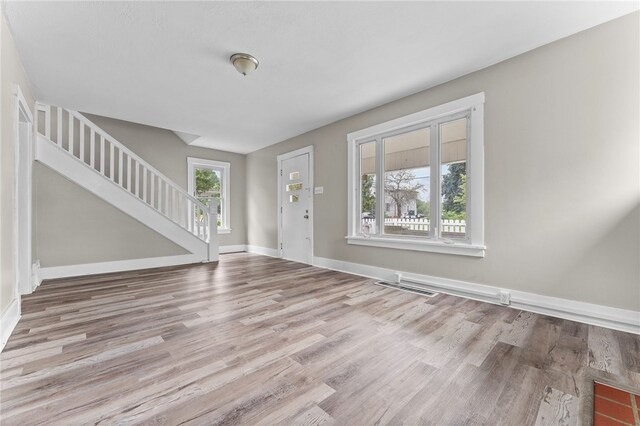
505,298
318,190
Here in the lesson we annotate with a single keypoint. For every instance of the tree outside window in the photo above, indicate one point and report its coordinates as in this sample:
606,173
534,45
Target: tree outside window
454,192
368,199
402,186
208,187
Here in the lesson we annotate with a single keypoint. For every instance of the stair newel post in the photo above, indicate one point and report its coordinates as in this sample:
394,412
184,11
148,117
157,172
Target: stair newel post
213,230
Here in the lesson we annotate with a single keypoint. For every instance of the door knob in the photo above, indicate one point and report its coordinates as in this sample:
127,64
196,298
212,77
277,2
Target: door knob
306,216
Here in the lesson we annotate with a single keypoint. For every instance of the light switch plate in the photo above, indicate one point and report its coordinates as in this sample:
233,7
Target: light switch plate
318,190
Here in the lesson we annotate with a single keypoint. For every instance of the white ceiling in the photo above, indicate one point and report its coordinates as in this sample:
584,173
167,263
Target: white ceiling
166,64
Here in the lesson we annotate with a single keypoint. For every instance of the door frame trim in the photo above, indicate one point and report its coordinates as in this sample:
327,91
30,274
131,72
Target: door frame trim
23,186
281,158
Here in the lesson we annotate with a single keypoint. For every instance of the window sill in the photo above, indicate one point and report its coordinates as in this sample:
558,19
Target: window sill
224,230
461,249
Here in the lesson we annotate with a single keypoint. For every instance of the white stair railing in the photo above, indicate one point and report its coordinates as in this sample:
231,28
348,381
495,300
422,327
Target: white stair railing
84,140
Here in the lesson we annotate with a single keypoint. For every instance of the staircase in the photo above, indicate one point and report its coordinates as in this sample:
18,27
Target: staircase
73,146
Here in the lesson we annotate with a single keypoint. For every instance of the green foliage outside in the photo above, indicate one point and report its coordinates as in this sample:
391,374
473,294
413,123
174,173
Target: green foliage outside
207,183
423,207
368,193
449,215
207,187
454,192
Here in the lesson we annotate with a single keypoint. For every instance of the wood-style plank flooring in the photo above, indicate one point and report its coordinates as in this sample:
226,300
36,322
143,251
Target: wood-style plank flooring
257,340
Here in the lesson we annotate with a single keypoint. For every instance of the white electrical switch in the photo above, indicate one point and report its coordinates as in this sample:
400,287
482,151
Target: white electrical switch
318,190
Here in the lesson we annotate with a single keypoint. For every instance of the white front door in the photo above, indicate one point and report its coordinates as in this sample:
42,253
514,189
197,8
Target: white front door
295,198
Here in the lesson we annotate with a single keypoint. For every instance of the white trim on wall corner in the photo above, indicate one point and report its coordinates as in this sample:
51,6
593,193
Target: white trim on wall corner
588,313
36,278
23,209
53,272
265,251
9,320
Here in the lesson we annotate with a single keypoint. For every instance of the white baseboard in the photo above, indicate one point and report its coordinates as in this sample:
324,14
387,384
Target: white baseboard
66,271
588,313
9,320
265,251
116,266
232,248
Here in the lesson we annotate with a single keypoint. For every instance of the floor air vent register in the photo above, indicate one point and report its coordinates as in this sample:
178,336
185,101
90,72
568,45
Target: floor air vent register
407,286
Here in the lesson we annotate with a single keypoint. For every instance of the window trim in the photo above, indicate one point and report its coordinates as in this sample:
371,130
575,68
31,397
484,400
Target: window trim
473,245
225,171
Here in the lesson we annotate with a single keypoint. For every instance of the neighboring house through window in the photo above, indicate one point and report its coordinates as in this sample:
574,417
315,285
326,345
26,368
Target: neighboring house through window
208,180
429,169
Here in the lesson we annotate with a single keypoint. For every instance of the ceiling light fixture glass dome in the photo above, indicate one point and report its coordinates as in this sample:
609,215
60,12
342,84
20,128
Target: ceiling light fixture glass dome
244,63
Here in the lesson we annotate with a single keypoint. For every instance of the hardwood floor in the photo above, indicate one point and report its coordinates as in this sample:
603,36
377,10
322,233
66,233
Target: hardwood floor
257,340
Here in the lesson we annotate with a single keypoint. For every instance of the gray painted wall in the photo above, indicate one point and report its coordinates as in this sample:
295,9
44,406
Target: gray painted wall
562,173
72,226
11,73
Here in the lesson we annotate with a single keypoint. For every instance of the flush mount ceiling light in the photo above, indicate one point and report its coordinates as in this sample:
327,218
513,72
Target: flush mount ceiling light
244,63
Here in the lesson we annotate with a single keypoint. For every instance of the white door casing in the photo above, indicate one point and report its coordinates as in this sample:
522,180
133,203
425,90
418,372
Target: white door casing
23,167
295,206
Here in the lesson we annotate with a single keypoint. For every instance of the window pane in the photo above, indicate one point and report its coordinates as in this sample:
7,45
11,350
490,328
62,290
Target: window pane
406,183
208,187
294,187
453,154
368,188
208,183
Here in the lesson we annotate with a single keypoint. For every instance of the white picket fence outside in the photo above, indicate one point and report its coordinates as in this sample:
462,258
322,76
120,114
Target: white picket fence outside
421,224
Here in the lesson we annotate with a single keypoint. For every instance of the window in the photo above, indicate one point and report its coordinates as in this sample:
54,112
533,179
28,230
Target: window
416,182
209,179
